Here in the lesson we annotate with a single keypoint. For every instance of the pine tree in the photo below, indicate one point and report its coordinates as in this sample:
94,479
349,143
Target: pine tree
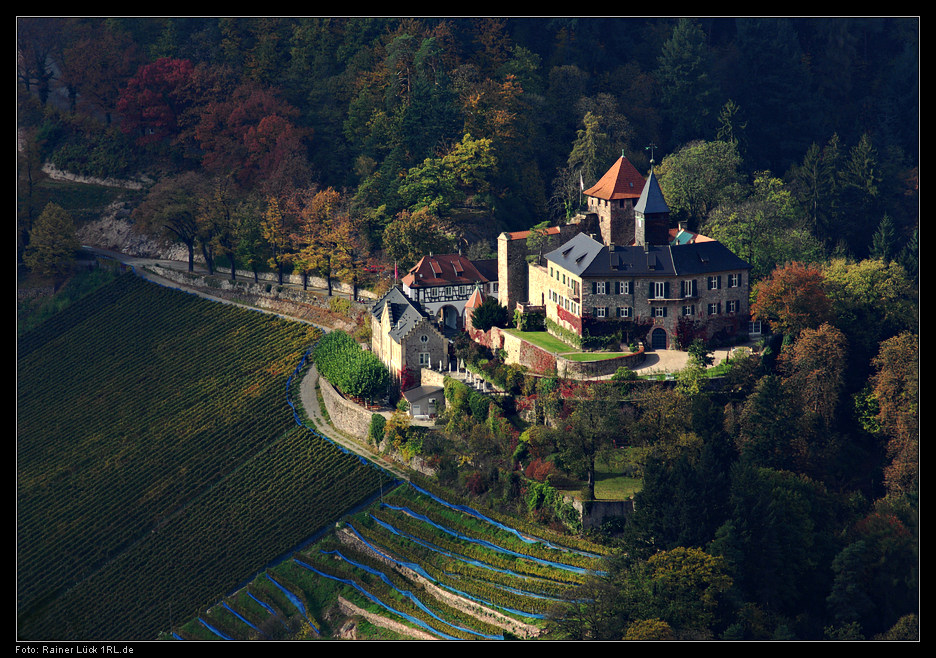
52,242
883,244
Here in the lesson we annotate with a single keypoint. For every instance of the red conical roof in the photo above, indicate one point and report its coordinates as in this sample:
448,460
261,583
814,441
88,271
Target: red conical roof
477,298
621,181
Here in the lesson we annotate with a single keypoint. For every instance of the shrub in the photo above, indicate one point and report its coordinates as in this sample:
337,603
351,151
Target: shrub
353,371
490,314
375,433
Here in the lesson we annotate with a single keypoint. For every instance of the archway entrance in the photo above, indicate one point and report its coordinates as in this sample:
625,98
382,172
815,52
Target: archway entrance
658,339
449,317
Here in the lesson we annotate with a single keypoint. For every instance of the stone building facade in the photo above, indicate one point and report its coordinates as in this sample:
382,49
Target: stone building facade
513,248
406,339
612,200
635,269
701,285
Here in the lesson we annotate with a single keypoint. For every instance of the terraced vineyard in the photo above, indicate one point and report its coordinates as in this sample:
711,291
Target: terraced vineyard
158,461
410,566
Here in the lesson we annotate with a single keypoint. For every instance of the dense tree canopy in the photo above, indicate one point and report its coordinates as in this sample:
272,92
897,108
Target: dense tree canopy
781,502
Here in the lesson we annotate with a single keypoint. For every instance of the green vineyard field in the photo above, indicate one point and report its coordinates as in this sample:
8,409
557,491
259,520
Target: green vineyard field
158,462
408,566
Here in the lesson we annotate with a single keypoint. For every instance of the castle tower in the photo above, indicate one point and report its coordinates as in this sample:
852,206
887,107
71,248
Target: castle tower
651,214
612,198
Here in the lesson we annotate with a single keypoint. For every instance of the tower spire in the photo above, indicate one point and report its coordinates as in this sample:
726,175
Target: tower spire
650,148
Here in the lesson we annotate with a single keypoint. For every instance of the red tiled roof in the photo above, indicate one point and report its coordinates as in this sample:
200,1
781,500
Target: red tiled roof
476,299
621,181
522,235
441,270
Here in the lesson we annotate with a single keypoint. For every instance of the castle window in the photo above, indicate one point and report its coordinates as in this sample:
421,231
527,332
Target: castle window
625,312
714,282
732,306
659,311
424,338
602,288
734,280
600,311
424,359
688,310
714,309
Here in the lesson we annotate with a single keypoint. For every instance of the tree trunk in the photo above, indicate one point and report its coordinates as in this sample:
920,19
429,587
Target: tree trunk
591,479
191,256
209,259
233,269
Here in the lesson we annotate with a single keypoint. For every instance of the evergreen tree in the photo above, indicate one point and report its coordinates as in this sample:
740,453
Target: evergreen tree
687,86
591,151
884,242
52,243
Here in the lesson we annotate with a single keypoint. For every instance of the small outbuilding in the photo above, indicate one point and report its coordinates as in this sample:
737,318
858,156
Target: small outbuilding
425,401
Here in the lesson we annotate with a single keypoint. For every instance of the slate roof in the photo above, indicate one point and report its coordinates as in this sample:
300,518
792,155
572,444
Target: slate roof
651,198
621,181
405,313
585,257
487,268
420,392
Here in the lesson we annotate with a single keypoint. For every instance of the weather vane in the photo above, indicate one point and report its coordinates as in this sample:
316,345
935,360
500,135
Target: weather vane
650,148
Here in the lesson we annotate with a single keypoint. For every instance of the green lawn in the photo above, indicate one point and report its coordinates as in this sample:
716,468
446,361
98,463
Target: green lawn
593,356
610,481
542,339
550,343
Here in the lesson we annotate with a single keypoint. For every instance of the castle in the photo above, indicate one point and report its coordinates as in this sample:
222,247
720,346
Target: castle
622,264
617,270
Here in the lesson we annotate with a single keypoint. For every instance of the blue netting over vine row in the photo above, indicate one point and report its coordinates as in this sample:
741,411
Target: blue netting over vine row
374,599
494,547
523,537
422,572
409,595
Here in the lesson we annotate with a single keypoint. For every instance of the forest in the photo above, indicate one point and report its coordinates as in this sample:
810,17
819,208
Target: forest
782,504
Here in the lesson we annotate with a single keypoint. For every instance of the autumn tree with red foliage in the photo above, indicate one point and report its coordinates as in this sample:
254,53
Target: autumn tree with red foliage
252,134
100,61
792,298
154,100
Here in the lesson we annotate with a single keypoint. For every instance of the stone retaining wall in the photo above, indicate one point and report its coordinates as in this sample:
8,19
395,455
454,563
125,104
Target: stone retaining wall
540,361
352,419
603,509
268,285
602,368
